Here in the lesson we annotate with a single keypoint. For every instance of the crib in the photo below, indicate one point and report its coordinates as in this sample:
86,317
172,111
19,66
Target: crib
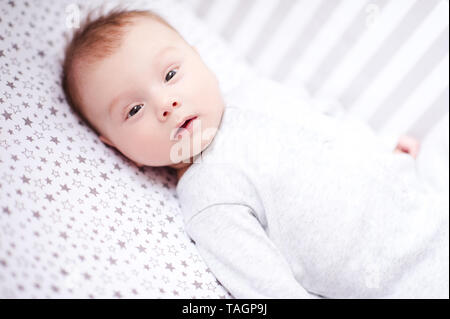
384,61
77,220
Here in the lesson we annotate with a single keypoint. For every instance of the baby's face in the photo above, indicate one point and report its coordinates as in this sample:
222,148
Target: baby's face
138,95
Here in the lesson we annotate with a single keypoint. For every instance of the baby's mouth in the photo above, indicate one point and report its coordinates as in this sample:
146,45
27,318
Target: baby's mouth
186,126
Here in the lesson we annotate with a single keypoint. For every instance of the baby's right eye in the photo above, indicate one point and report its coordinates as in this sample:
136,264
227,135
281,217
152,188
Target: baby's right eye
134,110
170,75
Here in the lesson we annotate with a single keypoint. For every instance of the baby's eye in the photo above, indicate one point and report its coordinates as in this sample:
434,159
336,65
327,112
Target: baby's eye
134,110
170,75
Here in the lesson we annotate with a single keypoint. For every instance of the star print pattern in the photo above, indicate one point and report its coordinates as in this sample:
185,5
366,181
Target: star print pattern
77,219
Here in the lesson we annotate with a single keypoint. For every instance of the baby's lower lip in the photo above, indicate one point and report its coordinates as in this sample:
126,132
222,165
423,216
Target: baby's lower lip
187,129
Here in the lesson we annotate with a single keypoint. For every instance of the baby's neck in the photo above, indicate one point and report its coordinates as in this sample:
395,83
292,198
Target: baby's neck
182,170
182,167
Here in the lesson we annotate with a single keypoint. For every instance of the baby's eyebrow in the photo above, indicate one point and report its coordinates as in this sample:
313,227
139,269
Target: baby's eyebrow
164,51
115,102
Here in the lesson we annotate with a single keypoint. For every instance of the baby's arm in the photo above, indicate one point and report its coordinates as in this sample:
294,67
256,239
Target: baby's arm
236,248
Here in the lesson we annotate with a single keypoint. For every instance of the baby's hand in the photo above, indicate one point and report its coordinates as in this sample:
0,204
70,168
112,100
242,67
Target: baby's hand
407,144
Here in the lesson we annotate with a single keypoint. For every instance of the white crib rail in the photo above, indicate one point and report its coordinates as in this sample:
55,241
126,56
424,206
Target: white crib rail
386,61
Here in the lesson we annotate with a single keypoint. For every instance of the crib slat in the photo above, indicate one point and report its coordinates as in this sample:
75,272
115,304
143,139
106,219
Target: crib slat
202,7
370,41
340,49
386,50
433,115
293,24
253,23
190,3
393,76
220,13
419,101
316,50
301,43
267,31
239,15
412,80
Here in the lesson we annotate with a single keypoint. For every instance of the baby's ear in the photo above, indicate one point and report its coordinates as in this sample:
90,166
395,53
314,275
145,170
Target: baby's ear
106,140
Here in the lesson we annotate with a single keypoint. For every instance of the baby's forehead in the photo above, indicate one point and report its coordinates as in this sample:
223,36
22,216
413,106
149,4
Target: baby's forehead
151,36
144,36
143,30
152,28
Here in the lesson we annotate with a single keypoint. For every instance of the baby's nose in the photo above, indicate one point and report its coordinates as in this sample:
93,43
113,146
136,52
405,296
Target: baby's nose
174,104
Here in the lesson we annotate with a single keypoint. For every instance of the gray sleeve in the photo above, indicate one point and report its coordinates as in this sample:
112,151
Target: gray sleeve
239,253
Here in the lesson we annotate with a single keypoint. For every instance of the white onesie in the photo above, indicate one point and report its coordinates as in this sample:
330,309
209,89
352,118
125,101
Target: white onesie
309,206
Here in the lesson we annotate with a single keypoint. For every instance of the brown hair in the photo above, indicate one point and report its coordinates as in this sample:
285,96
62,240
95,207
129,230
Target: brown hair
94,40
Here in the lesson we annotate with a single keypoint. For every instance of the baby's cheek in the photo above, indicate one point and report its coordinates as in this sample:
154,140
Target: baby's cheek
139,149
212,98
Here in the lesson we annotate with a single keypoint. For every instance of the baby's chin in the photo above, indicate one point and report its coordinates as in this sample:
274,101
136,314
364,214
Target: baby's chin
180,165
192,143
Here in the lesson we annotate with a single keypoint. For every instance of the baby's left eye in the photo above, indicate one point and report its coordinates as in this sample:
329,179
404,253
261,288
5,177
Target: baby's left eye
170,75
135,109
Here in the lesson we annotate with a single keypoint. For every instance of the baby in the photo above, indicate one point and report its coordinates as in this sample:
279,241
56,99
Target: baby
135,81
281,224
